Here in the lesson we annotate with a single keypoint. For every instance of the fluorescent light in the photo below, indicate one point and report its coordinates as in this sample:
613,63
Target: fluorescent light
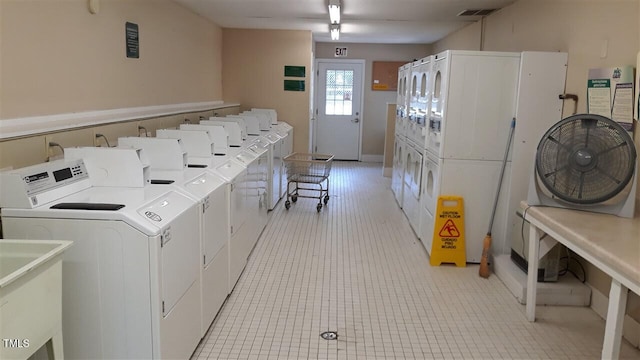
335,31
334,11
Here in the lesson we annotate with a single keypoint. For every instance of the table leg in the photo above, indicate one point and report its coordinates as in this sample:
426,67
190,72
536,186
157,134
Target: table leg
615,319
532,271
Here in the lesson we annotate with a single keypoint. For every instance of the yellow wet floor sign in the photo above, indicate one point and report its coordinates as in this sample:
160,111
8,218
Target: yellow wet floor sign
448,234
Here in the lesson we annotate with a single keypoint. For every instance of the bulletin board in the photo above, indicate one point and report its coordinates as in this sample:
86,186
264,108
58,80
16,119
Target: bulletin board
385,75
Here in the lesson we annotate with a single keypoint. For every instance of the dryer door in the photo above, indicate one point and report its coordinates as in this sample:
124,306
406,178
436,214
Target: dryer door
430,184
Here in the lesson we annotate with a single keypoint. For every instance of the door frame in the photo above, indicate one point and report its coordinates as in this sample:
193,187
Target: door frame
314,111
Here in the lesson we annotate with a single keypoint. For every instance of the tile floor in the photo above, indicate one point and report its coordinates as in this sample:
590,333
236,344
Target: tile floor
358,269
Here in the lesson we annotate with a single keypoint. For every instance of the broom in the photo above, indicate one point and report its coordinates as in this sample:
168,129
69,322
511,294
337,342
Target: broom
486,243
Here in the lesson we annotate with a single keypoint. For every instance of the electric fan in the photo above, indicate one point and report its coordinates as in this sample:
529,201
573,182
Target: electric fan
585,162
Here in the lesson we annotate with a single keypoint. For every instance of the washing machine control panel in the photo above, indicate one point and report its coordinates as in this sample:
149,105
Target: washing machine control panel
54,176
39,184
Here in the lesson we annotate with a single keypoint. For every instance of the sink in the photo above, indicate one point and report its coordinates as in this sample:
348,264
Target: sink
31,297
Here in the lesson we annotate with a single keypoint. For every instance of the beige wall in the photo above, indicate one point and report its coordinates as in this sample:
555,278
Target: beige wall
56,57
253,74
374,116
578,27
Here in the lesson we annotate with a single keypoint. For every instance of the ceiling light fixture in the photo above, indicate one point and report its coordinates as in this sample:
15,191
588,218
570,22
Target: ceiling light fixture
335,31
334,11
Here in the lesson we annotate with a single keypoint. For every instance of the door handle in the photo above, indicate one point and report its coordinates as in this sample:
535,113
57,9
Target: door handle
356,120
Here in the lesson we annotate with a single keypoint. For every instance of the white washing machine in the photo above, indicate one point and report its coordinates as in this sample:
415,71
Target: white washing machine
197,144
246,127
256,213
260,182
263,119
254,124
277,166
273,115
235,174
131,284
217,133
208,189
234,132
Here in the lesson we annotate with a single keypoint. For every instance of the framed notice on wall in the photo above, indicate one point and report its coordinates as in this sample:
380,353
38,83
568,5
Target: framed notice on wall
133,40
385,75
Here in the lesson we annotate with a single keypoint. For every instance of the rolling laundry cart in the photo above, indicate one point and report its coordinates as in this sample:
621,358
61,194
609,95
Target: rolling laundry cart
308,169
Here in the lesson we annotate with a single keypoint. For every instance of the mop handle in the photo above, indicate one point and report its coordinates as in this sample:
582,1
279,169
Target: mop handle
504,165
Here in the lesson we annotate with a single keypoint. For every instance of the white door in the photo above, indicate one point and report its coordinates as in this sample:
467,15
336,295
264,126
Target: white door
339,109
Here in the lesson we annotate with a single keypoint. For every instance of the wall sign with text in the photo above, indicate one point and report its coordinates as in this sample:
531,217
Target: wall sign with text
133,40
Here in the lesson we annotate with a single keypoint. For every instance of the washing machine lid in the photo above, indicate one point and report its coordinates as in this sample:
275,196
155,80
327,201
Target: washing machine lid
149,209
272,137
204,184
246,157
257,149
230,170
285,125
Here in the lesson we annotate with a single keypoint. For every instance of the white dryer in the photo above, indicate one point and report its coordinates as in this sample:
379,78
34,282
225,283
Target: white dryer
423,102
411,186
397,174
402,105
131,284
429,198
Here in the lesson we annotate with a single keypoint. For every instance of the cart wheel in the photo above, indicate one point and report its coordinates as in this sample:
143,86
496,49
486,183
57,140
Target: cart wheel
319,207
294,198
326,199
287,204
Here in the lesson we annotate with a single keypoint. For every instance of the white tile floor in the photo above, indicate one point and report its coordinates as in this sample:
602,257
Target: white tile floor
358,269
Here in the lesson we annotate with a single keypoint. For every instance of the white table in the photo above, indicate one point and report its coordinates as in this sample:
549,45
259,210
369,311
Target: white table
608,242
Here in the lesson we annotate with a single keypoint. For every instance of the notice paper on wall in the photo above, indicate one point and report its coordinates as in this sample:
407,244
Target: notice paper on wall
610,94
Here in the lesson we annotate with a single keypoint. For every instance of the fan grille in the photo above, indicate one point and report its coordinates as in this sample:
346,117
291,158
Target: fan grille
585,159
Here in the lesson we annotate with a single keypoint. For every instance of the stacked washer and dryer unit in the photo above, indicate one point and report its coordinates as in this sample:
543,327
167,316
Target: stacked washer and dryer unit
418,98
150,267
474,95
401,124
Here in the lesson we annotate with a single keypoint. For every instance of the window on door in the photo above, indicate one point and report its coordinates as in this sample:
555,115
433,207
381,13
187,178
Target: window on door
339,90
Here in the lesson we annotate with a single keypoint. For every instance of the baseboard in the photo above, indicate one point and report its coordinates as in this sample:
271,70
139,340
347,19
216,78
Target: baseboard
387,172
29,126
372,158
630,328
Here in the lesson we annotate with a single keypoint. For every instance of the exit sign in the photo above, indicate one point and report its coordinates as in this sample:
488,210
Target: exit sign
341,52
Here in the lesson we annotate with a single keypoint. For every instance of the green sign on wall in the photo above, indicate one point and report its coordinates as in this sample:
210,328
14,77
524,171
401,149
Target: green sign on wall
294,71
294,85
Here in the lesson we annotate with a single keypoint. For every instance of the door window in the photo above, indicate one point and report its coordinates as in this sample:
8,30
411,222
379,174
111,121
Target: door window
339,90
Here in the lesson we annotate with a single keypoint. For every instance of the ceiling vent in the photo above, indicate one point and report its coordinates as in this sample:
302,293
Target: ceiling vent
476,12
